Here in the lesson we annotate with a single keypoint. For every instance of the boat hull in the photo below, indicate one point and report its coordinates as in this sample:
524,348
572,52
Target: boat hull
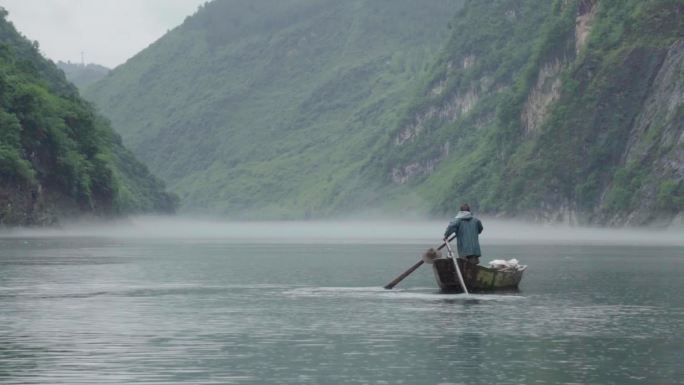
477,278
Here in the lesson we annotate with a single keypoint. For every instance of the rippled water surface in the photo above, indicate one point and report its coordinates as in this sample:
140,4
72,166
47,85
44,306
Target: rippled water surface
90,310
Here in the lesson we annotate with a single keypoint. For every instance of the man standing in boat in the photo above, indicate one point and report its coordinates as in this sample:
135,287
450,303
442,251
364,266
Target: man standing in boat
467,229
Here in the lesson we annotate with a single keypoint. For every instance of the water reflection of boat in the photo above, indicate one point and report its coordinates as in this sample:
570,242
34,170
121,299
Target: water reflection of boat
477,278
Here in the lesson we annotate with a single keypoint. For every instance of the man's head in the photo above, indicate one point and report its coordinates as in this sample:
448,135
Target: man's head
465,207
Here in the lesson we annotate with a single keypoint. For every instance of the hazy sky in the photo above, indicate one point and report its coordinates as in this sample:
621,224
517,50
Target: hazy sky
107,31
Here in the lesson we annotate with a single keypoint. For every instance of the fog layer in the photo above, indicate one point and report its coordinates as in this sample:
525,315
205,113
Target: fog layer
370,231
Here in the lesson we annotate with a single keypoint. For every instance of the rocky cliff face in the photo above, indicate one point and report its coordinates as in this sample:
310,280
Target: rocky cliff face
579,121
656,143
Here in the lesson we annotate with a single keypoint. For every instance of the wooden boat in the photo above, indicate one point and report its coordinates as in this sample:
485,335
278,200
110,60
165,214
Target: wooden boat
477,278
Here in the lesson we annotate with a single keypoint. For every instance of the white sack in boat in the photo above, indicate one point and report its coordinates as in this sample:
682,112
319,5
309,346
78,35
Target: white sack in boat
502,264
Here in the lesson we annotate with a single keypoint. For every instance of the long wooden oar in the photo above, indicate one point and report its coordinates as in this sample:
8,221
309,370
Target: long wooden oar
413,268
458,269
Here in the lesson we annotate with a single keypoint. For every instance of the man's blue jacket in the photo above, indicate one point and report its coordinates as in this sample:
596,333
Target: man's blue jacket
467,229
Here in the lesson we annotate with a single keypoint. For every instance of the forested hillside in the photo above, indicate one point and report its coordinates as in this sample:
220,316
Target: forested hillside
269,108
83,75
58,158
559,111
566,110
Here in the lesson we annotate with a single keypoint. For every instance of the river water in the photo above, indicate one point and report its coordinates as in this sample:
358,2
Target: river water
137,310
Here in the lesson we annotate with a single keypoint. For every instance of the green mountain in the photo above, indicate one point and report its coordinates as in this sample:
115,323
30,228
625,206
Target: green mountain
567,110
83,75
268,108
58,158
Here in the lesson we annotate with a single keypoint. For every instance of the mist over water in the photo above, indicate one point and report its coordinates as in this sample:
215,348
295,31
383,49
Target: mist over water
496,231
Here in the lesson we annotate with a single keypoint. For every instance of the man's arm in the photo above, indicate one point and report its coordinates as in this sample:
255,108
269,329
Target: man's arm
479,227
452,228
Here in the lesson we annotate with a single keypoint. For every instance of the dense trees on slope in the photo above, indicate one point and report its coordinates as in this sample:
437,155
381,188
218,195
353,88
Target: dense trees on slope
57,157
269,108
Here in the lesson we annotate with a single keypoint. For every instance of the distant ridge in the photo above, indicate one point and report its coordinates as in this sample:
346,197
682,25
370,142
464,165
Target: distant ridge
82,75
